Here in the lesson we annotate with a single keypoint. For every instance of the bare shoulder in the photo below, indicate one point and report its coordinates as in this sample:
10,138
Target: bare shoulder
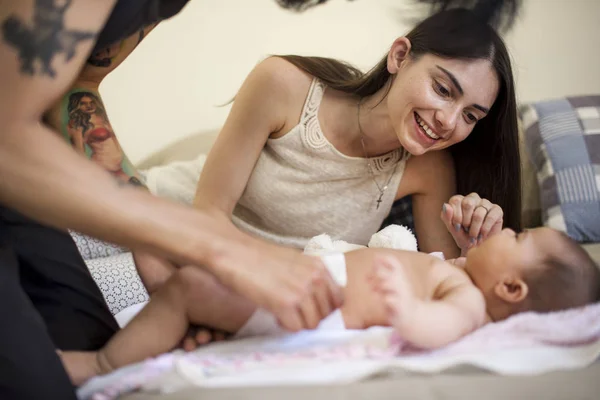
455,285
425,171
284,83
449,276
280,76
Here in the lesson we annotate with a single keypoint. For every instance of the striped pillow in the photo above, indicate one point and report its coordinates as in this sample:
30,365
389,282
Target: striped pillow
562,138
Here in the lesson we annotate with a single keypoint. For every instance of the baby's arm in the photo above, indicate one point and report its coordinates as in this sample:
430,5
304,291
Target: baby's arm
428,324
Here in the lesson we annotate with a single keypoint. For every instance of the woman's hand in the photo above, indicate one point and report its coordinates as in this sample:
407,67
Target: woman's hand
471,219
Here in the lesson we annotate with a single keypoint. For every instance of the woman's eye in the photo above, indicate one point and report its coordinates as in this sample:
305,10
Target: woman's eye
471,118
442,91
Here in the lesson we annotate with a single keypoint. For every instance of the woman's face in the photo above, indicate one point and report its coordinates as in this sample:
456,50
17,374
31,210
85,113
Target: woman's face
435,102
87,105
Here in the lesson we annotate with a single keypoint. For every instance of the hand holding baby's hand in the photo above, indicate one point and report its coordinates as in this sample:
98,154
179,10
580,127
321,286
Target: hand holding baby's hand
471,219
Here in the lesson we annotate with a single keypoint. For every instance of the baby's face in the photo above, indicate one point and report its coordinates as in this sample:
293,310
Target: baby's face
510,254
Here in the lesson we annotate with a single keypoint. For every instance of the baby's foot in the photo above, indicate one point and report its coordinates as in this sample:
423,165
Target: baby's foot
198,335
391,281
83,365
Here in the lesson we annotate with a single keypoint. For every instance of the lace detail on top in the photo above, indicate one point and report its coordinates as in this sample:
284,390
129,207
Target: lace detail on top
313,135
314,138
301,186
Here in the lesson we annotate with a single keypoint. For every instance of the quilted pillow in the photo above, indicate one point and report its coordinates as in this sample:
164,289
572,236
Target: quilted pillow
562,138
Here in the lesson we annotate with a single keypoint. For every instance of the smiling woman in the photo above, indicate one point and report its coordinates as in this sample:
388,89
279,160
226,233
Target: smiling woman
324,145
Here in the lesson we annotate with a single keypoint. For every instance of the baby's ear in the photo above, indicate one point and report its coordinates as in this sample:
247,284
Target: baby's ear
511,290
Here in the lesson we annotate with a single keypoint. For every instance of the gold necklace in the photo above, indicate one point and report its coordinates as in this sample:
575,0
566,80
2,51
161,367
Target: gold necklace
372,174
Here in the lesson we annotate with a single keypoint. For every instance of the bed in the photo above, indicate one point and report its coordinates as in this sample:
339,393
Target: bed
460,382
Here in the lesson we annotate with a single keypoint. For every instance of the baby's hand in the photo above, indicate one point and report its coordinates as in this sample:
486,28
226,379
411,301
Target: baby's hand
391,281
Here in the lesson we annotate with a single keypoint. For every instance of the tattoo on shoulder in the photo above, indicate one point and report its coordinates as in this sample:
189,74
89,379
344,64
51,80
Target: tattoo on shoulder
38,42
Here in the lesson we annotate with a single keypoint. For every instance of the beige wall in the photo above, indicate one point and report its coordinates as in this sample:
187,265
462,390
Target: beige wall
171,86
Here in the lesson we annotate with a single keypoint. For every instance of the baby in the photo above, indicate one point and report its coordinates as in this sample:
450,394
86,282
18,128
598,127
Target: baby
429,302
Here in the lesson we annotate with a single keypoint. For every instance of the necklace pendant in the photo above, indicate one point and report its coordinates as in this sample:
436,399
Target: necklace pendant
379,200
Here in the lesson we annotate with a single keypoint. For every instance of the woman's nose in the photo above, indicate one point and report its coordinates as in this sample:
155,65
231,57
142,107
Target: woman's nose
447,118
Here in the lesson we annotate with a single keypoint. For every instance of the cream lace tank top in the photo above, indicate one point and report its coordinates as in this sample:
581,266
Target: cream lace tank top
302,186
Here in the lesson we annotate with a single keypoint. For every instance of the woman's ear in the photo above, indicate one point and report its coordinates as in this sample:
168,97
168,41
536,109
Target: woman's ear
399,52
511,290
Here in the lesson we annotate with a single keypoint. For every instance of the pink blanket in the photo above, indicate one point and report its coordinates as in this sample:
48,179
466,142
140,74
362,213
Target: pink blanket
564,328
570,328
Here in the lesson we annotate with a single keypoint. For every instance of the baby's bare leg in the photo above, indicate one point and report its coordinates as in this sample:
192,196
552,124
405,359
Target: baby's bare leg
190,295
153,271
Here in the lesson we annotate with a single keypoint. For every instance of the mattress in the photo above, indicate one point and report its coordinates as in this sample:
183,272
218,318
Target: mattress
462,383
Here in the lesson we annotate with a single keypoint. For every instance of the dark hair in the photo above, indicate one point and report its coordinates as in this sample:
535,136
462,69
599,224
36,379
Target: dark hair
299,5
78,118
488,161
498,13
567,279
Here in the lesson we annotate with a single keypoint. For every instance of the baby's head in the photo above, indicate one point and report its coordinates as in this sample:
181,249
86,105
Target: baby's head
538,270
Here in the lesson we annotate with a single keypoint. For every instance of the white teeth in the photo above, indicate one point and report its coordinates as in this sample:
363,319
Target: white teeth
426,128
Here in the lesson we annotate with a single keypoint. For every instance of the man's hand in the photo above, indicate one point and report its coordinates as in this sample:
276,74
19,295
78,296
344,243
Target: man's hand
295,287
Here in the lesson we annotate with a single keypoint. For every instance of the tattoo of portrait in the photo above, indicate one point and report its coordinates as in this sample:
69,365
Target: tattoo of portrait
43,39
86,126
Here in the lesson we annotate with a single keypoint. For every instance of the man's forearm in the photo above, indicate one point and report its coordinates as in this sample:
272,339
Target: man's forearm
46,180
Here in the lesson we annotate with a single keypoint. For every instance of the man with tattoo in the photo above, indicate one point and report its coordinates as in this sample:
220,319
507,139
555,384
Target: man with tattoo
48,299
53,55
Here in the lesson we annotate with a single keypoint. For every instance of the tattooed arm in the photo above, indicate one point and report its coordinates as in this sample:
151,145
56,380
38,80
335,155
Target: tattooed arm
43,46
81,117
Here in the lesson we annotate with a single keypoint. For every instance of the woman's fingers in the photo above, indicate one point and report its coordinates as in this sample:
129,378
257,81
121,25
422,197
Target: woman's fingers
447,216
457,213
493,222
468,205
452,216
471,219
479,216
